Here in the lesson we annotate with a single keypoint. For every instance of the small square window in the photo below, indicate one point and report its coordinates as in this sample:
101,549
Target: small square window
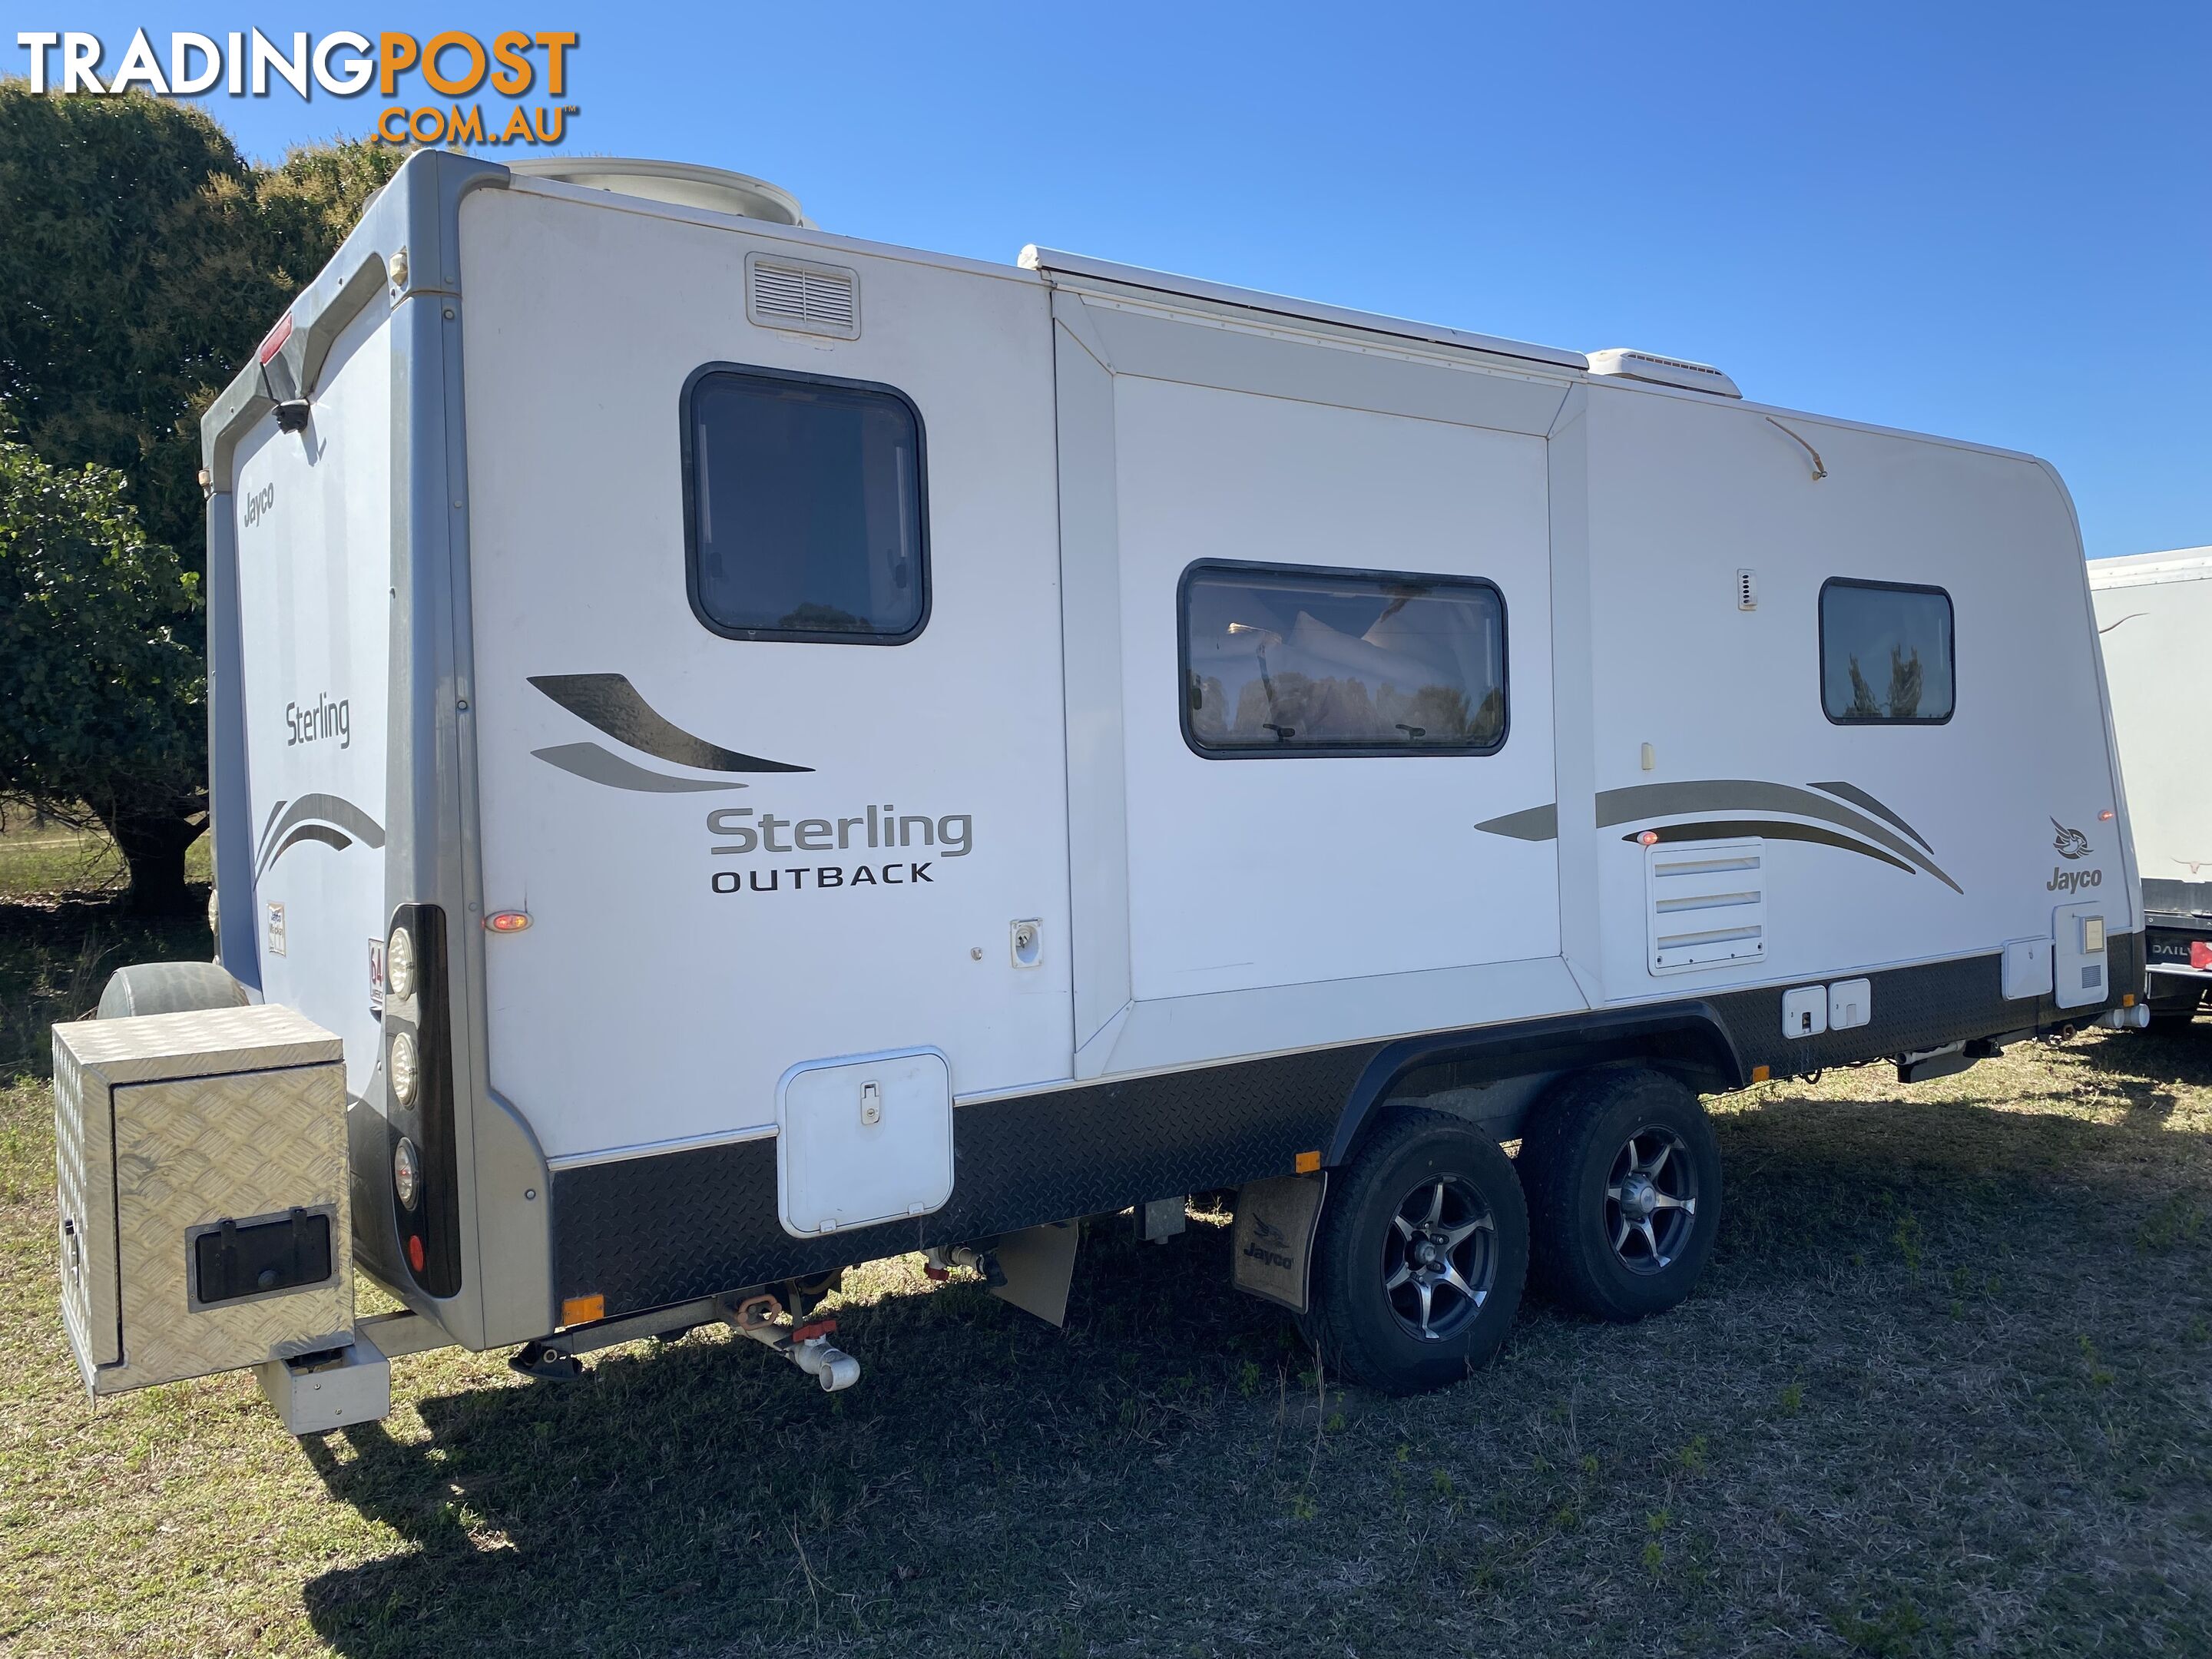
1885,654
1279,660
806,508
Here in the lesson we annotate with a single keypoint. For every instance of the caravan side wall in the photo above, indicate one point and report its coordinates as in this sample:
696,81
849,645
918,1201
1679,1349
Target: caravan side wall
1922,841
2155,615
693,933
310,514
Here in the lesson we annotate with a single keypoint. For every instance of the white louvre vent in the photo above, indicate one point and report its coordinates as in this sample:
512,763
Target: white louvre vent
797,295
1707,902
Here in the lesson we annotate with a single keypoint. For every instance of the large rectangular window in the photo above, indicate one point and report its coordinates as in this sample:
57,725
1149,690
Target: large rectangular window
1281,661
807,507
1885,654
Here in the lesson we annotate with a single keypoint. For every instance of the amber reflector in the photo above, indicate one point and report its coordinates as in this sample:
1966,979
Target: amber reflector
583,1310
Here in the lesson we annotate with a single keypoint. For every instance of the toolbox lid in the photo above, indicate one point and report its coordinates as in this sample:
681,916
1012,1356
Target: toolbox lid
201,1044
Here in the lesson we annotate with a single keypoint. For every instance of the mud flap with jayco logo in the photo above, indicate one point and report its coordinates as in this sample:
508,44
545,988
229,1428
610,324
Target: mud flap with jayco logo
1275,1235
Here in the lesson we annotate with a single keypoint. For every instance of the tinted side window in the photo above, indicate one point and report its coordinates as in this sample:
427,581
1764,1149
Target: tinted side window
1885,653
1278,660
807,507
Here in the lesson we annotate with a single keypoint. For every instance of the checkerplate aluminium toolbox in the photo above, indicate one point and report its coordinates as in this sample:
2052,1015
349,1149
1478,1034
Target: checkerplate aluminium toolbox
202,1166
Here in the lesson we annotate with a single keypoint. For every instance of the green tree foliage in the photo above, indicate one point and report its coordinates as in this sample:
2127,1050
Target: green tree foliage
141,260
105,707
1863,705
1906,679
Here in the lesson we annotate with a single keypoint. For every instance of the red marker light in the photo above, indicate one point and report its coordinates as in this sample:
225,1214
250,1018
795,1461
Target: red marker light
2105,817
506,921
415,1251
2200,955
273,341
1649,838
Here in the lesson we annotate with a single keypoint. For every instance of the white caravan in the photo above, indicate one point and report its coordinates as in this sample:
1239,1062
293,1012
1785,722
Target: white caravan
767,751
2155,613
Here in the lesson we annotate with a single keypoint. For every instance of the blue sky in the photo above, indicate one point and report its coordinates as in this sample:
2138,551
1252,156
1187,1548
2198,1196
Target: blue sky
1992,221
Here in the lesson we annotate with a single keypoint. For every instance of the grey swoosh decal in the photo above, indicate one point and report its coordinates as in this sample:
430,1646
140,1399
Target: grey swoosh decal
597,765
1858,797
267,830
1531,823
1645,800
1772,829
321,832
612,704
331,810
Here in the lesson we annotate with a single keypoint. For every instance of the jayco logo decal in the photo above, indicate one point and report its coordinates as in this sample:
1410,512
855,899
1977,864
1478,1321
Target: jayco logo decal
260,504
1270,1246
2071,844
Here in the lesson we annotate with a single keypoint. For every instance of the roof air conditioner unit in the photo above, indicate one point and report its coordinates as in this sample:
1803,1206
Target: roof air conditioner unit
1662,371
680,184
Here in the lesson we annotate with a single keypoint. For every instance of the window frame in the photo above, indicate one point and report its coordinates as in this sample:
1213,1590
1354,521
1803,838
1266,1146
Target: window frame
1203,567
1950,650
686,404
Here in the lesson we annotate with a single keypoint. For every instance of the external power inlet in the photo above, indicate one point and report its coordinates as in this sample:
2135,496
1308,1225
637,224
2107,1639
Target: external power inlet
1804,1010
1810,1010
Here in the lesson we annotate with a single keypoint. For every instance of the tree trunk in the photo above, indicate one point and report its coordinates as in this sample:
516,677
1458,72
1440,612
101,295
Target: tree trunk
153,847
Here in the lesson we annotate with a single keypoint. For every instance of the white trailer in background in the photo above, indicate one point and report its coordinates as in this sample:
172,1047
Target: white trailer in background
2155,615
767,751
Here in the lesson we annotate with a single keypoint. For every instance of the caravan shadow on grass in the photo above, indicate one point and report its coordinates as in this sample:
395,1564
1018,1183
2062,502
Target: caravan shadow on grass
1942,1392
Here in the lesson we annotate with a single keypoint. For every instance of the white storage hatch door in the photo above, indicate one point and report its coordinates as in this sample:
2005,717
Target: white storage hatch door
863,1141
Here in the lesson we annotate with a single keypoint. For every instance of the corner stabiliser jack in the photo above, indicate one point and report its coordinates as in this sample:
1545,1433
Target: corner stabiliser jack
546,1363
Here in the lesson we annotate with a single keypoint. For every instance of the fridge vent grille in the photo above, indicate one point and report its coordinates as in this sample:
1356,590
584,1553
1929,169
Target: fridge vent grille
813,299
1708,903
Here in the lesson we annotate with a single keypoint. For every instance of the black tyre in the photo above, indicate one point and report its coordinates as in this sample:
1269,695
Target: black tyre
1623,1183
1421,1256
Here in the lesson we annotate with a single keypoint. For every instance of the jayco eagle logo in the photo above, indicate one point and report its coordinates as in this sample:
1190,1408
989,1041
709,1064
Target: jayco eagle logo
2071,844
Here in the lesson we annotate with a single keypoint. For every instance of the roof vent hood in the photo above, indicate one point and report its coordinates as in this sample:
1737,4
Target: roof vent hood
1662,371
680,184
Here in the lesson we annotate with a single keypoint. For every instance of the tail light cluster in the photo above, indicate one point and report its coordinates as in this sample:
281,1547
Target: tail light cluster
418,1091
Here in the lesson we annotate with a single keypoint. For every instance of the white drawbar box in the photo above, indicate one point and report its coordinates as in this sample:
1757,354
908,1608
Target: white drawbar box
204,1221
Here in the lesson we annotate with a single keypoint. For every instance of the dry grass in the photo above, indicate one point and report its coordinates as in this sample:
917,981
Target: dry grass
1944,1391
62,932
40,859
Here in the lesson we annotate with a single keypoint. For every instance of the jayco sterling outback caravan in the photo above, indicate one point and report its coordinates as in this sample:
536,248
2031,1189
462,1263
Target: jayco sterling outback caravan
739,751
